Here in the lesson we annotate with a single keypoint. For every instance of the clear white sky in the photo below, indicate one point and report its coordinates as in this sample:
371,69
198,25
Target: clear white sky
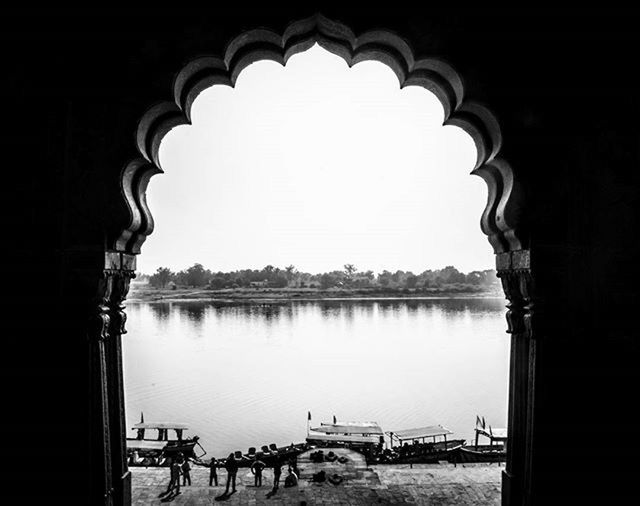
317,165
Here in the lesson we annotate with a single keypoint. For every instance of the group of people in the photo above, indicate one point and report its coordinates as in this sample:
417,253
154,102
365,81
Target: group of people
180,468
231,465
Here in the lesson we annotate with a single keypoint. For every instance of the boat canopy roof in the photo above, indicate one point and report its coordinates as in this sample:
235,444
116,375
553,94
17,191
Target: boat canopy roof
160,425
363,428
430,431
135,444
359,424
349,438
494,434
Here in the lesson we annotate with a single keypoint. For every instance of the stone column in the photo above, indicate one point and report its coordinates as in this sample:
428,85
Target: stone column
119,270
515,274
100,437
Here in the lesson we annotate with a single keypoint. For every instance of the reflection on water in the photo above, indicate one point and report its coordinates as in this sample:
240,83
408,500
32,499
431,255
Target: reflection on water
161,311
245,375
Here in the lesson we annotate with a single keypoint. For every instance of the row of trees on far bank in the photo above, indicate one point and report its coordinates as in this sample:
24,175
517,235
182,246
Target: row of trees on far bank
350,277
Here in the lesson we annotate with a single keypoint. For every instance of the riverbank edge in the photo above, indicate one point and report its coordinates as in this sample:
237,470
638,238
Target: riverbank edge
285,296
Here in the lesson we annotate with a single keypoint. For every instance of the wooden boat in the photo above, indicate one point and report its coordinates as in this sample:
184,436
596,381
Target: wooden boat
480,453
143,451
268,454
364,437
495,451
428,445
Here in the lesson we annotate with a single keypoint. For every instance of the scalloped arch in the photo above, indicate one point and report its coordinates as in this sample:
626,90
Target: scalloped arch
502,216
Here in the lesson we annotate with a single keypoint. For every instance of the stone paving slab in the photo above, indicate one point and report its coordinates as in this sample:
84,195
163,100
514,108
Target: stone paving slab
428,484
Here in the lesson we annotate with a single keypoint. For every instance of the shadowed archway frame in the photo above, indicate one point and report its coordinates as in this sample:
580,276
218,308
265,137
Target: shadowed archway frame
503,220
502,217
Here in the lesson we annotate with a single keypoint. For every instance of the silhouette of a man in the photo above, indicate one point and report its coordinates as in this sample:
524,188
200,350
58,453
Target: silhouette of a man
213,472
256,469
231,465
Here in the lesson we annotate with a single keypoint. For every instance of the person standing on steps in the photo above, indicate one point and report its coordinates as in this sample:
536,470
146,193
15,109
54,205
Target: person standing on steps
256,469
175,471
213,471
186,476
231,465
277,471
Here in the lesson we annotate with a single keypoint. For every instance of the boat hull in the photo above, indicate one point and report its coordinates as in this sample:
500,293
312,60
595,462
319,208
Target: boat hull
480,453
154,453
283,453
430,453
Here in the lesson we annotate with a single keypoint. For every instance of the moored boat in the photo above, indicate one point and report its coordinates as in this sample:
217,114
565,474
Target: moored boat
364,437
480,453
495,451
143,451
268,454
427,445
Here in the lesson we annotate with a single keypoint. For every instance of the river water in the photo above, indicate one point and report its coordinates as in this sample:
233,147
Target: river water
244,375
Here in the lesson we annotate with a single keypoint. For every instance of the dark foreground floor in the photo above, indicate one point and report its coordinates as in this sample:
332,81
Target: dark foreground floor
430,484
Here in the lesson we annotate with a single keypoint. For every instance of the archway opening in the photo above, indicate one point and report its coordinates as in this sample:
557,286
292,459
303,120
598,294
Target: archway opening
259,195
317,166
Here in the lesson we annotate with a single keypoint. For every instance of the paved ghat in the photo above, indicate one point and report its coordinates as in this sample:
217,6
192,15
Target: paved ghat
430,484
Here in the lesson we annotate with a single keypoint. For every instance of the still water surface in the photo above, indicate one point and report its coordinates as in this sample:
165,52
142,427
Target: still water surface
244,375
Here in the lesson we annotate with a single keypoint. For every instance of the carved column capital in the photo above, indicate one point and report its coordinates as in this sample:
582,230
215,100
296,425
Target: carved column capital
101,318
101,323
514,271
118,281
112,290
515,308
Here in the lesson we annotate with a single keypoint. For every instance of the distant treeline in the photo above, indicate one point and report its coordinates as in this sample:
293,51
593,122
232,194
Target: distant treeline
349,277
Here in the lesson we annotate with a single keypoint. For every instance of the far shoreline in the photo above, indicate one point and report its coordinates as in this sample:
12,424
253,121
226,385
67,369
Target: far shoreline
146,294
